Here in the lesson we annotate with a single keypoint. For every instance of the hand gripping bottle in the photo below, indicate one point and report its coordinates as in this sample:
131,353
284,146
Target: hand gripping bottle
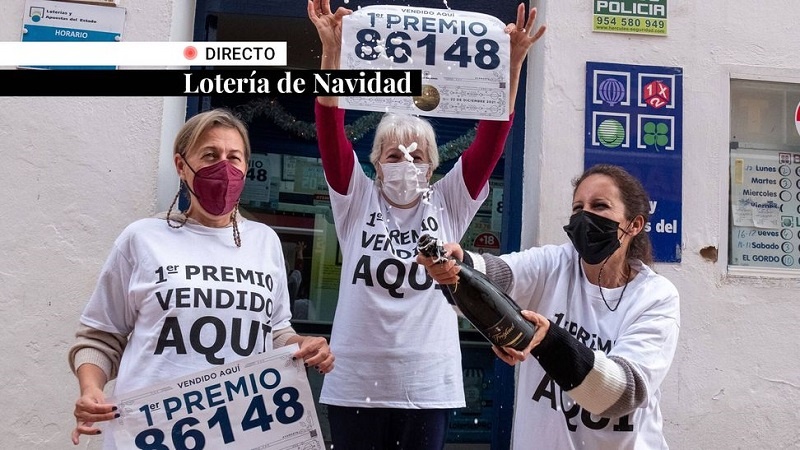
487,308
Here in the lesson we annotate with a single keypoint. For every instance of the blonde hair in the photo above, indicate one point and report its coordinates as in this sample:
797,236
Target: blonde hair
191,131
405,128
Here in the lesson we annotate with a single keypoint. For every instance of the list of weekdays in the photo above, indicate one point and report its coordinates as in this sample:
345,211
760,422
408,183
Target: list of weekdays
259,402
765,208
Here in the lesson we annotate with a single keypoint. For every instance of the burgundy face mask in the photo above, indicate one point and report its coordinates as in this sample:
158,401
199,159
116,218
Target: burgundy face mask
217,187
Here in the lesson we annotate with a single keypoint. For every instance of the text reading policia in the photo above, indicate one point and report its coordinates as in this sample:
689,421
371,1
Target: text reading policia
390,82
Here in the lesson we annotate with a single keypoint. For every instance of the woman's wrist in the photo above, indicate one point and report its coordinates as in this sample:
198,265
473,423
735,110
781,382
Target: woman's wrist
329,61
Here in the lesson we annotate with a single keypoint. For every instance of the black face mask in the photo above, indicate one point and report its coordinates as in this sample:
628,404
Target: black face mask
594,237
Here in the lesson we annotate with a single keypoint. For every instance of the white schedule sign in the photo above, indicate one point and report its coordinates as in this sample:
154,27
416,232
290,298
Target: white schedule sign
464,58
260,402
765,208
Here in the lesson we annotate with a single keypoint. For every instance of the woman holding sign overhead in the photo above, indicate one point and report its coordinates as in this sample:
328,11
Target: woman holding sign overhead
187,291
395,337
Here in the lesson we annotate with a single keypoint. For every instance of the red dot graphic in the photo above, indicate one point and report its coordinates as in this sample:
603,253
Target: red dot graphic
190,52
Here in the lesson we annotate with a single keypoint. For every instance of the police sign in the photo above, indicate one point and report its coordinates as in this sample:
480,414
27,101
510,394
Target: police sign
630,16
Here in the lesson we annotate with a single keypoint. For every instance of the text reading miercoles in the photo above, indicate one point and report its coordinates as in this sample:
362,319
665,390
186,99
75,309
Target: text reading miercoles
336,82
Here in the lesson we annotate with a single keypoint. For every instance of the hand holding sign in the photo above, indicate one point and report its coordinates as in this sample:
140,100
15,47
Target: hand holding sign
463,57
257,402
91,407
470,61
522,35
329,28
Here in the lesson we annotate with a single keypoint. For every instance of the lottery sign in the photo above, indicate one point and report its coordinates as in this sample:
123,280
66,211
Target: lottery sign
463,56
263,401
634,119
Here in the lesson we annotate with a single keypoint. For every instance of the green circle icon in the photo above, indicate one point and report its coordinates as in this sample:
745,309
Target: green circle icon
610,133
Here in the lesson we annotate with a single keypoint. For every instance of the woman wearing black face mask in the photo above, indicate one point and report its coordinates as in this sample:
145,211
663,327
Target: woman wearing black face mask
607,324
150,318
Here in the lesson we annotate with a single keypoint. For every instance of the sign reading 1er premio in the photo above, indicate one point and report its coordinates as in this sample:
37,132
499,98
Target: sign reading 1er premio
634,119
47,21
630,16
259,402
463,56
765,208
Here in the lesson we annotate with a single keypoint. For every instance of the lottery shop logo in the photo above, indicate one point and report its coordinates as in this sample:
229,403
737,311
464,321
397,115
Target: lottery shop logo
656,94
611,130
657,91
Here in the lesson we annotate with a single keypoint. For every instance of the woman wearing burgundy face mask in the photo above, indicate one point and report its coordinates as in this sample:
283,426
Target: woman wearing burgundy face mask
185,291
398,374
607,324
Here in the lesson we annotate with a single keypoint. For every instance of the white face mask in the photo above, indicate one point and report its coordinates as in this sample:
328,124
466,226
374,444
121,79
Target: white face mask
404,182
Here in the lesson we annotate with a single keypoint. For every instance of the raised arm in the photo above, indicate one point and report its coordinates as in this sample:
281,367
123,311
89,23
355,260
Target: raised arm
479,160
335,150
522,34
329,28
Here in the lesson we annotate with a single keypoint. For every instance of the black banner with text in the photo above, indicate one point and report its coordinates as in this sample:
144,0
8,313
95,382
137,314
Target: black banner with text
135,83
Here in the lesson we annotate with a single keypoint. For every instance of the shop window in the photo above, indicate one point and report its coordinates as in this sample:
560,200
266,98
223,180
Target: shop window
765,176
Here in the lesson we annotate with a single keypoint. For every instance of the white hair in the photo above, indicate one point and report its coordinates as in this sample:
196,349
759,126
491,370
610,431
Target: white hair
405,128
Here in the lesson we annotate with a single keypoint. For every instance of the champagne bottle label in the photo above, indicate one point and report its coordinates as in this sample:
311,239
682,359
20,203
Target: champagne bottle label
504,333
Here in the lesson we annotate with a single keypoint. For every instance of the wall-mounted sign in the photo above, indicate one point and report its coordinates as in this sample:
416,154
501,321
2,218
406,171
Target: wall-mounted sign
630,16
634,119
765,208
48,21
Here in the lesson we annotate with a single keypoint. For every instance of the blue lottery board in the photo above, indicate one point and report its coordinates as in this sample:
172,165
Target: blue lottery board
634,119
48,21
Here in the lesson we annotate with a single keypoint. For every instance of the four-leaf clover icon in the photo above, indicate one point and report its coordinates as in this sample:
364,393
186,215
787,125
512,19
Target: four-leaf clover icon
656,134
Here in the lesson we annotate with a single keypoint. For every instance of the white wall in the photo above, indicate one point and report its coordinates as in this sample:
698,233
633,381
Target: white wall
75,171
735,382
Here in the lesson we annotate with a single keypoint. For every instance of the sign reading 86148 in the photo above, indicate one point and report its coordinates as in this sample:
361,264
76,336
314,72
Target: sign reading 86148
397,45
463,55
259,402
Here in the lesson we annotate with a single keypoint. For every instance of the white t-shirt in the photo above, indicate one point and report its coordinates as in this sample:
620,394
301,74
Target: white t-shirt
394,335
643,330
189,298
